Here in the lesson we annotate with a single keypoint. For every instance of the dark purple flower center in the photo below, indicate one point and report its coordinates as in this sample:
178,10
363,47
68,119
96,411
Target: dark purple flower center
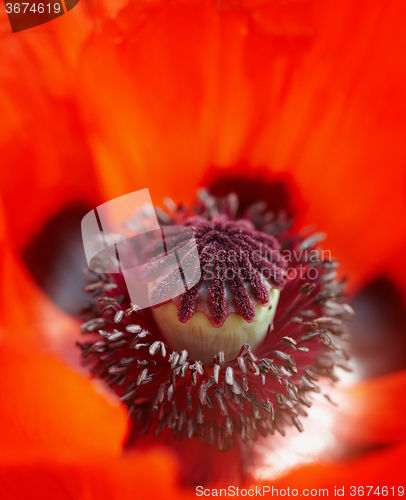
239,266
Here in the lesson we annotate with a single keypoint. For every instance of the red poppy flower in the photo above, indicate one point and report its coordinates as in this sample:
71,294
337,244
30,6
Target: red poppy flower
301,100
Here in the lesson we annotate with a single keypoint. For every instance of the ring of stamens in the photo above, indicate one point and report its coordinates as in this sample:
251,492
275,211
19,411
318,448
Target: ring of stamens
250,396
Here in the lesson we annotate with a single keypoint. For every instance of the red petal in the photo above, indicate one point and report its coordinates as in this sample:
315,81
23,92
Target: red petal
34,320
46,161
373,411
145,477
377,468
48,412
